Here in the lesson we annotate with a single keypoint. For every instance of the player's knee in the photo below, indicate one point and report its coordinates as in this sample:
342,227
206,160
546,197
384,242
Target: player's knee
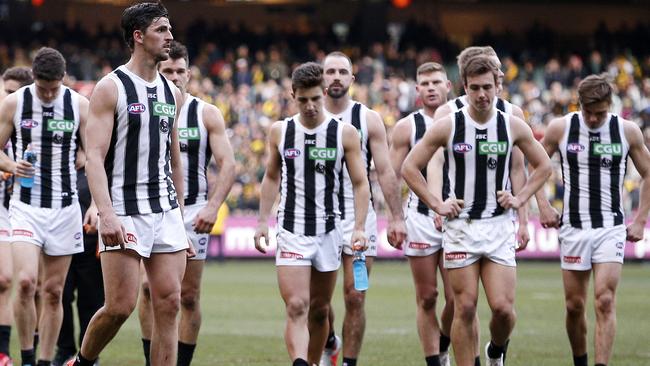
26,286
5,283
465,310
190,300
118,313
168,305
52,294
504,311
354,299
605,303
575,307
319,312
297,307
427,301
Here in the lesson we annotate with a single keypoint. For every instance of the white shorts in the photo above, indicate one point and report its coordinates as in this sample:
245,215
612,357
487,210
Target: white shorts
5,225
347,227
323,252
467,241
579,248
422,237
200,241
58,231
148,234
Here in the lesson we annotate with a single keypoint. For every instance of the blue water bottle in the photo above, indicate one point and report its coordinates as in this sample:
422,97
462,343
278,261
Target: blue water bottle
360,271
30,157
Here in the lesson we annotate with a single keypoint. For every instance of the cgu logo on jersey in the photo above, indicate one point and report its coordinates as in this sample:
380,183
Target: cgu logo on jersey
575,147
322,153
60,125
291,153
492,148
136,108
462,147
190,133
608,149
164,110
28,123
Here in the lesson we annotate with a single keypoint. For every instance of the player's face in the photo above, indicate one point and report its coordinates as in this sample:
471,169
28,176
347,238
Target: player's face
11,86
500,75
46,90
594,114
433,88
157,38
481,90
310,102
175,71
337,75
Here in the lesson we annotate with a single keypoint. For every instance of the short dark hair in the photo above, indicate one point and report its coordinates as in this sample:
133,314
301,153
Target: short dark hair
178,50
339,54
21,74
595,89
48,65
139,17
479,65
471,52
307,75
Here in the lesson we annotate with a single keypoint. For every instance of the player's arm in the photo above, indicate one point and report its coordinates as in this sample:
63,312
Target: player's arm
442,111
360,185
548,216
7,111
518,179
641,158
101,110
399,146
223,156
270,186
386,177
177,165
90,217
539,160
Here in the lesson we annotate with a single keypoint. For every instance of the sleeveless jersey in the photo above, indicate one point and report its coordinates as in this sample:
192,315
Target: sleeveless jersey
195,150
593,170
479,157
311,166
500,104
52,130
138,160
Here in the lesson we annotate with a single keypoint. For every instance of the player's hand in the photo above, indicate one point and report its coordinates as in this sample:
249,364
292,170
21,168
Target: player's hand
507,200
437,222
451,208
23,169
523,237
90,220
112,231
190,251
204,220
262,232
359,241
396,233
5,176
635,231
549,217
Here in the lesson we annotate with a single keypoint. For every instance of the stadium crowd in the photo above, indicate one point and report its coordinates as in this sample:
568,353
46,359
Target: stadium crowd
246,74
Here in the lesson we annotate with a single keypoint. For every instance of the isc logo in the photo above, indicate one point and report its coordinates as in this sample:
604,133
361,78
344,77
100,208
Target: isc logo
136,108
291,153
164,110
608,149
322,153
462,147
60,125
191,133
496,148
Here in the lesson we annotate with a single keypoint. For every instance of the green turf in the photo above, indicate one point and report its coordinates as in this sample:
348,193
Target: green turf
243,319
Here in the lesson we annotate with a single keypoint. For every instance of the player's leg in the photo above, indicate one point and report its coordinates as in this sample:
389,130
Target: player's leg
354,322
90,291
55,269
6,315
447,314
320,296
165,272
145,314
499,282
25,263
190,323
606,279
294,283
464,284
121,283
66,347
424,274
576,284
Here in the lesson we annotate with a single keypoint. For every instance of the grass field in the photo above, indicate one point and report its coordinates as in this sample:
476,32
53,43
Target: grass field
243,319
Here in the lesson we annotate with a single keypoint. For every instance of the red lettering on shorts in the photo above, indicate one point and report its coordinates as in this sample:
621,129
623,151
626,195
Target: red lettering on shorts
131,238
287,255
571,259
21,232
416,245
5,232
455,256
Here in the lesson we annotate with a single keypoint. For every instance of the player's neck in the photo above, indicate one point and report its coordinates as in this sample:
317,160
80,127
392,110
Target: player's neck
481,116
429,111
145,67
311,123
337,105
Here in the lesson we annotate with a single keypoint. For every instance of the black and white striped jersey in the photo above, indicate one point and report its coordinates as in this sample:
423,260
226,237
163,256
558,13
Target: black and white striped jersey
52,130
195,150
312,160
6,185
460,102
479,158
593,169
356,115
138,163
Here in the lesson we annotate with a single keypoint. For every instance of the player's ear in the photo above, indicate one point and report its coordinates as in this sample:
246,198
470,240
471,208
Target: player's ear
138,35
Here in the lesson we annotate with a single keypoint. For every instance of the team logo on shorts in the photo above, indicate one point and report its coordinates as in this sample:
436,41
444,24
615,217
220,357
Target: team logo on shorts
420,246
462,147
372,239
77,236
290,255
455,256
202,241
28,123
571,259
164,126
131,238
136,108
575,147
620,245
291,153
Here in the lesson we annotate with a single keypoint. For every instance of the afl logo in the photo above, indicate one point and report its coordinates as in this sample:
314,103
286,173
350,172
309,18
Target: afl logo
575,147
136,108
28,123
291,153
462,147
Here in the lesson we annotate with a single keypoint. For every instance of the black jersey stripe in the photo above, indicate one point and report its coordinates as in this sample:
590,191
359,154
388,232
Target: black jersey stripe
341,196
155,127
66,147
109,160
46,158
501,105
330,179
193,147
459,156
480,176
310,186
574,174
502,160
459,103
290,200
171,190
595,199
26,135
420,129
615,172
